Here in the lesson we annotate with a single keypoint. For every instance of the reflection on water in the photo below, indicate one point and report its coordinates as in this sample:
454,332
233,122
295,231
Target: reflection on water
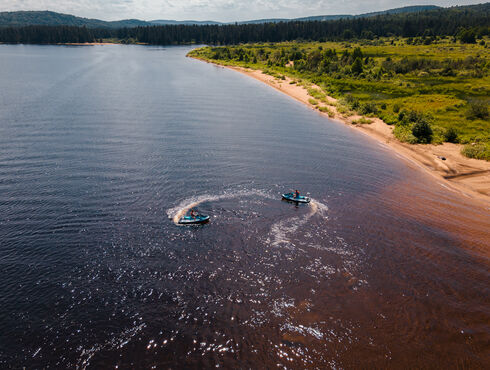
103,149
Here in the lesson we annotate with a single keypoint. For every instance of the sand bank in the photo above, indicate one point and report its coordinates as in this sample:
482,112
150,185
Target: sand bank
467,176
89,43
99,43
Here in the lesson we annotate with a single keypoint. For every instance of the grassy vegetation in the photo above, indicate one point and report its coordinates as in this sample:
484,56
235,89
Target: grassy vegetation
362,121
476,150
432,89
327,110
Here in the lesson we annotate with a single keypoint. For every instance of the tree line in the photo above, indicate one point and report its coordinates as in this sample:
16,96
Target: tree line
470,21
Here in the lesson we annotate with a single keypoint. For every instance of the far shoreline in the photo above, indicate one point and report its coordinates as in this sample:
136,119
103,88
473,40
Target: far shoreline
467,176
75,43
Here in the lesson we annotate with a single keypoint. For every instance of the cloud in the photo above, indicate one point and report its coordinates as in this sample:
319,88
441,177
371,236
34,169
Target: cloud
221,10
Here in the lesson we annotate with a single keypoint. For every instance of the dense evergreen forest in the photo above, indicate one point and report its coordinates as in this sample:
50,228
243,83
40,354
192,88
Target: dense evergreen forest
48,18
474,19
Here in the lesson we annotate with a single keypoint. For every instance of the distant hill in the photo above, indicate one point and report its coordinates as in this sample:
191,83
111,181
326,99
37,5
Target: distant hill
268,20
127,23
324,18
406,9
163,22
48,18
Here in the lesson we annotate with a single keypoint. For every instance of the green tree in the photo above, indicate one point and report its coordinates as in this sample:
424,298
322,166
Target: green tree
357,53
357,66
347,34
451,135
467,36
477,109
422,131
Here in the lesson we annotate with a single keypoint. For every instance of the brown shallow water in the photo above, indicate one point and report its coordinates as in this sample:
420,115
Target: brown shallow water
100,149
431,293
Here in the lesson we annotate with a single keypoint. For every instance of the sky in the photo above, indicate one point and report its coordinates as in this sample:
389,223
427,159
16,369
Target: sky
217,10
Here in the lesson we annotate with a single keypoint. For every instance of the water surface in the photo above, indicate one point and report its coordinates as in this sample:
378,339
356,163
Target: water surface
101,147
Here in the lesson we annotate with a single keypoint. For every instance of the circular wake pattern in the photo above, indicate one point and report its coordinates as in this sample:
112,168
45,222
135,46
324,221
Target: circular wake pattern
282,231
297,251
177,212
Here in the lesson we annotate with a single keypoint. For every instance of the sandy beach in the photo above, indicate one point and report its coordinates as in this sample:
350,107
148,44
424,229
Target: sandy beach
89,43
98,43
467,176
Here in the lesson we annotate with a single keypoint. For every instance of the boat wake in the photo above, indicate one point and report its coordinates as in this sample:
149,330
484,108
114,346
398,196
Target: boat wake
177,212
280,233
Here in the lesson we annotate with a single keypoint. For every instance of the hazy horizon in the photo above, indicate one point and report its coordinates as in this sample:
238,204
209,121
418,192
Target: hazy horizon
216,10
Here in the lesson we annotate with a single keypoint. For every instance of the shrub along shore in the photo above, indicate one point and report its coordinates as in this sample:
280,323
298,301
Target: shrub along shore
429,95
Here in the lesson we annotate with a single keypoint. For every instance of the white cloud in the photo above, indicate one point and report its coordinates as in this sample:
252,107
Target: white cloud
221,10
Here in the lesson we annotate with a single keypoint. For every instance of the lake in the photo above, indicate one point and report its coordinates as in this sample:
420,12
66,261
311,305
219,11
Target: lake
103,147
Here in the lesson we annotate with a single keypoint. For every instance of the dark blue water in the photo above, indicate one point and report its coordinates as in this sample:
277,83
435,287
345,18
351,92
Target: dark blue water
103,148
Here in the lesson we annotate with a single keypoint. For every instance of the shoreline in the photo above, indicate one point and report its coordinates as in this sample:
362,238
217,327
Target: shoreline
98,43
77,43
88,43
466,176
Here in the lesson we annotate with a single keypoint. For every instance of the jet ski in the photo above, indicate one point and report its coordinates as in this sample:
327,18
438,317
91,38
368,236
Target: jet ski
189,220
292,198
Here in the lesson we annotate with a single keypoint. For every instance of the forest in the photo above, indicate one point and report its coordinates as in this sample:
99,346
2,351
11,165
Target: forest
430,23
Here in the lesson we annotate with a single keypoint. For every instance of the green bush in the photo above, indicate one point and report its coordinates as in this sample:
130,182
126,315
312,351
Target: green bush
477,150
352,102
357,66
467,36
327,110
389,119
342,109
317,94
349,98
401,115
438,135
422,131
410,116
313,101
477,109
414,116
369,108
362,121
396,108
403,133
451,135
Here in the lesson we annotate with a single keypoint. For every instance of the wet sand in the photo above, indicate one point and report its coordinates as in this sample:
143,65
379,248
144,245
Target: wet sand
467,176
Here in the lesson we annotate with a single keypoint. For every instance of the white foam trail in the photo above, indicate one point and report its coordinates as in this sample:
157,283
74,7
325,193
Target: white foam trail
319,207
116,342
280,230
183,207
